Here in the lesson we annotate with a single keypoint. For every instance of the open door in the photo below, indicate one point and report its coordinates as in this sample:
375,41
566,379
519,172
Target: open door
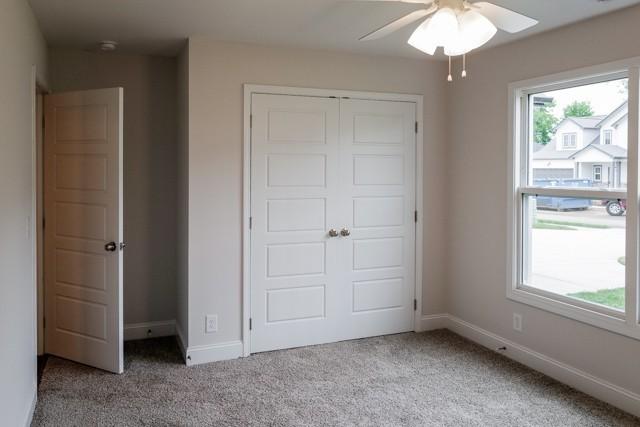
83,227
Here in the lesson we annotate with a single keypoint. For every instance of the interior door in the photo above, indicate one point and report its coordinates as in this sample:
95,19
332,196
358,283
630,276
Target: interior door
333,231
294,201
83,227
378,163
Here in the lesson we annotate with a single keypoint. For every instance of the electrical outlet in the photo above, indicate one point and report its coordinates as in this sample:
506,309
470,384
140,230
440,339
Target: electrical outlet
212,323
517,322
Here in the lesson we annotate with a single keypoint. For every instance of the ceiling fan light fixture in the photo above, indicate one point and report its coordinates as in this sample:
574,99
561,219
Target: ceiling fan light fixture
422,40
436,31
474,30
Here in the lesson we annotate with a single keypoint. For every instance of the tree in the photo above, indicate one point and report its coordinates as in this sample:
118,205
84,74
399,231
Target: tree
578,109
544,122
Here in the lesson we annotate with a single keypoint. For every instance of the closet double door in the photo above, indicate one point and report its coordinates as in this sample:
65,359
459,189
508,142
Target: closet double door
332,219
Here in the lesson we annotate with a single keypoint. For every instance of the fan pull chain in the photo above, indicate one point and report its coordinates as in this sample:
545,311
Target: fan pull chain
464,66
449,77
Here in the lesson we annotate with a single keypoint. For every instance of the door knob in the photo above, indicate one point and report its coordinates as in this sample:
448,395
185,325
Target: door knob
333,232
110,247
345,232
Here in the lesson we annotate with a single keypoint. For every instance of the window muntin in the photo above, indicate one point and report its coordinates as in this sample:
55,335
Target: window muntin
578,203
569,141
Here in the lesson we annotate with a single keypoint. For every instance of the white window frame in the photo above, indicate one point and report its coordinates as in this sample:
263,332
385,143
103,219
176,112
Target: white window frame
599,173
568,136
605,133
625,323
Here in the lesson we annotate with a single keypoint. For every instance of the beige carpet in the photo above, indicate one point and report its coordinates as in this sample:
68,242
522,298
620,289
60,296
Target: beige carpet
435,379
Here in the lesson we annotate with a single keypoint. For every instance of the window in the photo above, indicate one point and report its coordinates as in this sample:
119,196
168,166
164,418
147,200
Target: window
597,173
569,141
574,244
608,137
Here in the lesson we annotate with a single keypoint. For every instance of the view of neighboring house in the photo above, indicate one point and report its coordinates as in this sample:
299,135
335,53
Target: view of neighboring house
593,148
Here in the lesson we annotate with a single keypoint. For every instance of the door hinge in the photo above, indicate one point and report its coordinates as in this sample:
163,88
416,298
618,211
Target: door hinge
44,322
415,304
250,324
416,127
415,216
44,223
250,222
250,120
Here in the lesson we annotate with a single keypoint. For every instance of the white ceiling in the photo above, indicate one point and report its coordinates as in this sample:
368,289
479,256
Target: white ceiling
161,26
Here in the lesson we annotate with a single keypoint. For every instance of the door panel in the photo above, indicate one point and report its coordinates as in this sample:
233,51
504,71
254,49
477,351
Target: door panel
319,164
294,186
83,212
377,143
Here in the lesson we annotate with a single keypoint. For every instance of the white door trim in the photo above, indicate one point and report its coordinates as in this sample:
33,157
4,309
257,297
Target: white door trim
250,89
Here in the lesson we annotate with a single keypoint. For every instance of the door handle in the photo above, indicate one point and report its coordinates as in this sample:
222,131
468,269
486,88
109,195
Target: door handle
333,233
110,247
345,232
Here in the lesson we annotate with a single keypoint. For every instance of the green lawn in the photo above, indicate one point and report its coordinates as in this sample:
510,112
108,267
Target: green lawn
613,298
565,225
542,225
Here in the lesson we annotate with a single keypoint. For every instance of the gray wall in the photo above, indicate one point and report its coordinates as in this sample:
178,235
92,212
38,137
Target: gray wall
216,73
477,177
150,169
182,309
22,46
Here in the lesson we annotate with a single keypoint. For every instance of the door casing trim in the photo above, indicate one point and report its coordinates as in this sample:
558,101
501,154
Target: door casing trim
249,90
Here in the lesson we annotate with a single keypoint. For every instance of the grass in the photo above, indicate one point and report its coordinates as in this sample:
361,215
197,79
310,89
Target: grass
543,225
569,224
613,298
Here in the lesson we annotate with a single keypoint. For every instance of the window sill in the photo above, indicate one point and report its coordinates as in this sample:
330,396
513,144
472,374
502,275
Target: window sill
600,317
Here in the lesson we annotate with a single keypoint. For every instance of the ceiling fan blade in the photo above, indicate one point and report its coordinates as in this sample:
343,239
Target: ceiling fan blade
505,19
398,23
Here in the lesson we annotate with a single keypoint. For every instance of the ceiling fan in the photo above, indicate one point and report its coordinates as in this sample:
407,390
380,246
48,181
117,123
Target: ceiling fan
458,26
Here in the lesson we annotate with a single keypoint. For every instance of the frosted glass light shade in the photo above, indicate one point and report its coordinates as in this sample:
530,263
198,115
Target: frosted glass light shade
434,32
474,30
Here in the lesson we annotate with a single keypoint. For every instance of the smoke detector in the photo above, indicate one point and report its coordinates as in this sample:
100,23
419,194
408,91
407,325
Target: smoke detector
108,45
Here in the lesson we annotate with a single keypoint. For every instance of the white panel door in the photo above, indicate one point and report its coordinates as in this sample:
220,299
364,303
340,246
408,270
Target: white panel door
319,164
294,200
378,149
83,231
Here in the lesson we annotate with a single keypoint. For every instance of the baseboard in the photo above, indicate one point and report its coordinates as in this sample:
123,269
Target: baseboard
617,396
182,343
433,321
138,331
198,354
32,409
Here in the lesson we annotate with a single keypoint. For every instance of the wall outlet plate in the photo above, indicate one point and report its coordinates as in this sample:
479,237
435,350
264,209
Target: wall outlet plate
517,322
211,323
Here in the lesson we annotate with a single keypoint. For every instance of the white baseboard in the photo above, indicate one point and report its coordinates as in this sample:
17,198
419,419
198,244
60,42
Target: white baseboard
32,409
198,354
138,331
182,343
433,321
617,396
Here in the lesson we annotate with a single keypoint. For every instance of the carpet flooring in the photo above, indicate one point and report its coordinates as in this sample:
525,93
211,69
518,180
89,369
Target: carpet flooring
434,378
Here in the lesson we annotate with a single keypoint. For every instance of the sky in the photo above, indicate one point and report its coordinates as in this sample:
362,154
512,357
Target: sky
604,97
